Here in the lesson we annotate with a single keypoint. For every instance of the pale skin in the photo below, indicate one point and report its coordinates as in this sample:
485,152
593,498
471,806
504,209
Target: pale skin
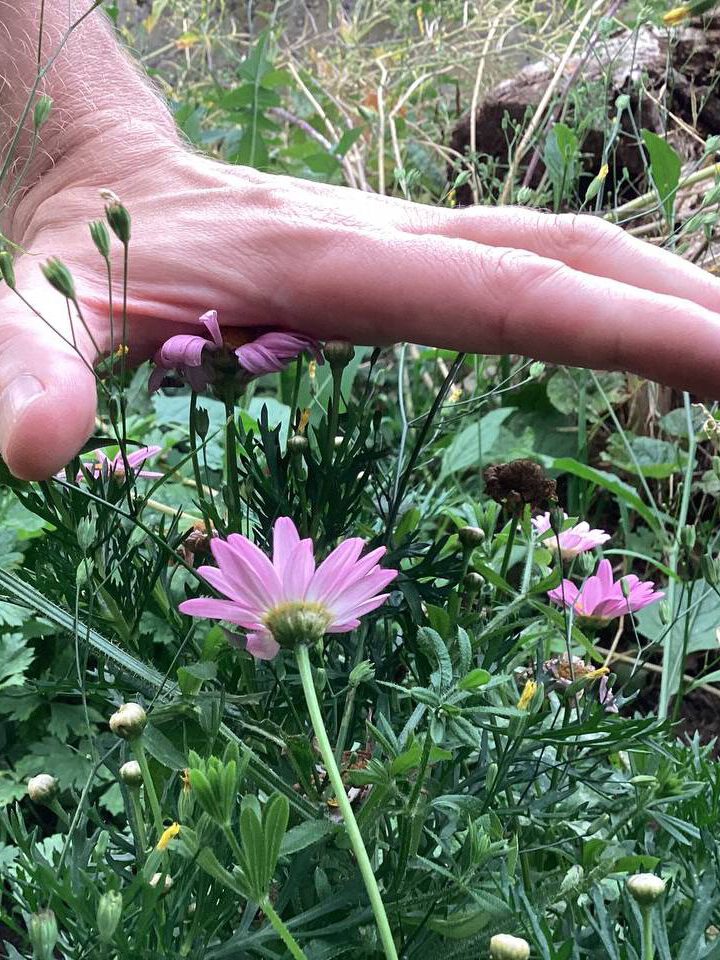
274,251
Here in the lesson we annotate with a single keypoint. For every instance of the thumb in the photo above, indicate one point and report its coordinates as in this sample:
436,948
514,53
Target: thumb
47,388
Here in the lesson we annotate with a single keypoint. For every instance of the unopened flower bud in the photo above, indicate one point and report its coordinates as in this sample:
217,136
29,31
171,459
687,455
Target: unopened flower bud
297,444
586,563
119,220
128,721
664,612
645,888
131,774
42,110
363,672
491,776
338,353
43,934
557,518
7,271
101,238
688,536
109,912
710,570
473,581
505,947
43,788
471,536
59,277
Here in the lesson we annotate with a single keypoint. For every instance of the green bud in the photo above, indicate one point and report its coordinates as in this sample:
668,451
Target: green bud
557,518
363,672
119,220
214,785
473,581
586,563
298,444
491,776
43,933
59,277
688,536
338,353
85,533
131,774
665,612
128,721
471,536
7,270
505,947
42,111
645,888
201,422
43,788
101,238
109,912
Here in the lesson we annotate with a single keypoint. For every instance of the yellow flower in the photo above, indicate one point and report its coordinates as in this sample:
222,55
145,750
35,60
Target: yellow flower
304,420
172,831
527,695
594,674
604,170
455,394
675,16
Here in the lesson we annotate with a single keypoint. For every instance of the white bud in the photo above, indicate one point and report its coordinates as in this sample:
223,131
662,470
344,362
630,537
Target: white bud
42,789
645,888
128,721
505,947
131,774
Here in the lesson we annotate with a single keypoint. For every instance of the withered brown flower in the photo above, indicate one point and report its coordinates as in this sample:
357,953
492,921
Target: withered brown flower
518,483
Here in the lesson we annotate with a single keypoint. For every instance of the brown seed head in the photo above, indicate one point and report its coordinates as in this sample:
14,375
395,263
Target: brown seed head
518,483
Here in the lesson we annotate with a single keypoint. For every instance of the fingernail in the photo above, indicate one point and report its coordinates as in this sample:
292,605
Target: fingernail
16,396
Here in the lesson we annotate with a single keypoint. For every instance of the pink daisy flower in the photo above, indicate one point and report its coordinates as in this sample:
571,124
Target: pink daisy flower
195,357
288,599
115,466
601,599
572,541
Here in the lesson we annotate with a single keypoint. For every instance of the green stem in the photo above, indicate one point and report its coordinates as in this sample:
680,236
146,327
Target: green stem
137,822
420,778
233,480
196,464
508,546
138,751
281,930
303,661
345,724
648,951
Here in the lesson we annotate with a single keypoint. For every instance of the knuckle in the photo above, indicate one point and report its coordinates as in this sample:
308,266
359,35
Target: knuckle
577,233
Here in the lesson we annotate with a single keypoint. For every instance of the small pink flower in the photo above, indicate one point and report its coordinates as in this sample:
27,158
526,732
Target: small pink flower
601,599
279,600
572,541
115,466
193,356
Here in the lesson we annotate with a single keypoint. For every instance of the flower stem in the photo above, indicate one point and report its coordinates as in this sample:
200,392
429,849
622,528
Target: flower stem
281,930
303,661
138,751
233,481
648,951
509,546
137,822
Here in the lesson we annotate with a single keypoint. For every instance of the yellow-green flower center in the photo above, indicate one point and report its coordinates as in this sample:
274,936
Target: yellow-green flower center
298,621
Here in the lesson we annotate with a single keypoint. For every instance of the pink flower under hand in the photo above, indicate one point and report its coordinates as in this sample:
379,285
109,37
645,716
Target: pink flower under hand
601,599
287,599
571,542
115,466
195,357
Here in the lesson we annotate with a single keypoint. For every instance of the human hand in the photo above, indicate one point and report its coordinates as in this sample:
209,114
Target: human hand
328,261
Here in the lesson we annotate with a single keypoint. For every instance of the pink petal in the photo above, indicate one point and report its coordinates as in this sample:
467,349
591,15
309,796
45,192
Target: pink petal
358,609
346,601
299,571
184,350
333,568
212,609
210,319
604,575
138,457
248,569
285,539
566,594
261,645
